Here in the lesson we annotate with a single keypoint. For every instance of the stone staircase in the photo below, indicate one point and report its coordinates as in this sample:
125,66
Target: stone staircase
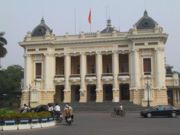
105,106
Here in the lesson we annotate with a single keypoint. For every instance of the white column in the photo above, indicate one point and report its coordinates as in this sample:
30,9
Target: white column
49,71
178,97
83,71
98,71
28,71
134,69
67,64
163,68
158,70
115,63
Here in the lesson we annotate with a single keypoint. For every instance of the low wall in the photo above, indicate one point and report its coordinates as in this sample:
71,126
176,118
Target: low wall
11,125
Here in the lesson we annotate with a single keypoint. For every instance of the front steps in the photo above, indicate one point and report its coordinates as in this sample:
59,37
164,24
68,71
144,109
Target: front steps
106,106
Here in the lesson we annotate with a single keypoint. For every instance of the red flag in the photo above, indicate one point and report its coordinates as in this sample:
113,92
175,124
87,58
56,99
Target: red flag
89,17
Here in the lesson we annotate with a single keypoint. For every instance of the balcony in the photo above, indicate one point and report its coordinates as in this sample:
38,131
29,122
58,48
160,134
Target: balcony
91,78
59,78
123,76
107,77
75,78
147,73
169,75
38,77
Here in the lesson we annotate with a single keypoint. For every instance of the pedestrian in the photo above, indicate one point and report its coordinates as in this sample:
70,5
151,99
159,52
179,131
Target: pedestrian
68,112
57,110
25,108
51,109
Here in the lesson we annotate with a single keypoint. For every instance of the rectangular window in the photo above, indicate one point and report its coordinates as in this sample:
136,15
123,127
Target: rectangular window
123,63
147,66
78,69
59,65
38,70
93,69
91,64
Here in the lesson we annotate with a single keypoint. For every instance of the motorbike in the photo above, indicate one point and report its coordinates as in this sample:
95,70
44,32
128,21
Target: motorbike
58,117
69,120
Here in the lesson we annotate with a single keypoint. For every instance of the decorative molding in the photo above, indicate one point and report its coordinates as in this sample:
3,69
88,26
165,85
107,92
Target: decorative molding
123,51
90,53
59,54
107,52
38,57
75,54
27,55
160,49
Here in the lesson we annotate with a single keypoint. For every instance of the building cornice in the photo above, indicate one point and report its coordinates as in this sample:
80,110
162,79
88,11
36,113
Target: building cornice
94,40
133,37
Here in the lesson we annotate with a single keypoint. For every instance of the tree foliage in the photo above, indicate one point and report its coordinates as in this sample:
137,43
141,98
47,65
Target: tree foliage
10,79
3,42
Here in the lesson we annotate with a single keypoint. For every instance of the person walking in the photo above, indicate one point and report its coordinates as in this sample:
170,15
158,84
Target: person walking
57,111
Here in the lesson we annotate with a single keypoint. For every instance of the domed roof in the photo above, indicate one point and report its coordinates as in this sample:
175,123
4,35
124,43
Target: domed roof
146,22
41,29
109,28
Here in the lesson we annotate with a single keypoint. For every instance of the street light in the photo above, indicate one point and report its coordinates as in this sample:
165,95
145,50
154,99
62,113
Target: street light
148,88
29,104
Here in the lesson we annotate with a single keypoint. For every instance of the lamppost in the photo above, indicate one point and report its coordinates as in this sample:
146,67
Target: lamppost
148,88
29,104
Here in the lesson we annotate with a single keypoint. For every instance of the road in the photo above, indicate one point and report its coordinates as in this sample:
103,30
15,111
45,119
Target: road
102,124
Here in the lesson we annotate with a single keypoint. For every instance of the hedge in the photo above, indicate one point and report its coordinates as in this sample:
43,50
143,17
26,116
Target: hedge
6,114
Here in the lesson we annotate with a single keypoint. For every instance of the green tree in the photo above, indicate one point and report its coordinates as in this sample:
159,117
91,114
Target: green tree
10,83
3,42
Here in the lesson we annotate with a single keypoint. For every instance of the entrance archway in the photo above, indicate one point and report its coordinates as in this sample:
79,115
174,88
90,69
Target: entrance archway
107,92
124,92
59,95
91,93
75,93
170,96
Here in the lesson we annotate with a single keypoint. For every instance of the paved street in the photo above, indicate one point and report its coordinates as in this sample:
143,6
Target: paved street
103,124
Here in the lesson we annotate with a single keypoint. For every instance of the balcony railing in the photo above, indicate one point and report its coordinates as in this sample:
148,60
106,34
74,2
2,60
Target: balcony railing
107,74
75,75
91,75
59,76
169,75
124,74
38,76
147,73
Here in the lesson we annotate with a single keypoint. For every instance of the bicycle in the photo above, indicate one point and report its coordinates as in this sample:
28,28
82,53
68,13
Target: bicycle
117,113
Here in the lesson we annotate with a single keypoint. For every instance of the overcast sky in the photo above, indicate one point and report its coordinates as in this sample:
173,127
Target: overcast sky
20,16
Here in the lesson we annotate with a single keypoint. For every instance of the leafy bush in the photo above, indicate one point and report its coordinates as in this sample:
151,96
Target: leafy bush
9,114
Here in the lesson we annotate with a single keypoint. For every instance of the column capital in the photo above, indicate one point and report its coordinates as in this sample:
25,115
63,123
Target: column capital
48,54
98,53
26,55
115,51
82,53
59,54
90,53
74,53
66,54
134,50
159,49
106,52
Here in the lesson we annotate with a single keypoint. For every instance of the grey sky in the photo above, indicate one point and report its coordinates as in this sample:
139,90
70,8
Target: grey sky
20,16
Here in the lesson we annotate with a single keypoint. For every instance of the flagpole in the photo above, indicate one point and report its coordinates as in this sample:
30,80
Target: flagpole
75,20
89,20
90,27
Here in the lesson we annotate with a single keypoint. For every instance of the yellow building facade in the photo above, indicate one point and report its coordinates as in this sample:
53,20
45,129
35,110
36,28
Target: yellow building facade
108,65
